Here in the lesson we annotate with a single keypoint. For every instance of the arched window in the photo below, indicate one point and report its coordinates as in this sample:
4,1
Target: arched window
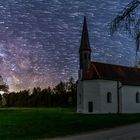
86,56
79,98
109,97
137,97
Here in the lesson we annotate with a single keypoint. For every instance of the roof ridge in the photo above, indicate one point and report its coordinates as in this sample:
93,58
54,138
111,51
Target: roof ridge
117,65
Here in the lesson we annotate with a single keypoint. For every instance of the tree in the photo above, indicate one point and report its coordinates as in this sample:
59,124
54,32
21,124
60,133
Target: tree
0,100
72,90
3,86
59,94
62,95
60,88
22,98
5,99
129,21
46,97
35,97
72,85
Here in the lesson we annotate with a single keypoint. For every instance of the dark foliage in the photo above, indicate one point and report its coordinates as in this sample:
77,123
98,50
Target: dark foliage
62,95
128,20
3,86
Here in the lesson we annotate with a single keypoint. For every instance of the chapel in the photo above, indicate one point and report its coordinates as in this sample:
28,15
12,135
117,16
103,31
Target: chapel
105,88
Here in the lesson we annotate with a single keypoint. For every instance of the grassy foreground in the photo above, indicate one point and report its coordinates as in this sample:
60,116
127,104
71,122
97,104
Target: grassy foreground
35,123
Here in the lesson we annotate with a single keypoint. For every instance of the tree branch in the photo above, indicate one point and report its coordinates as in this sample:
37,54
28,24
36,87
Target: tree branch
126,19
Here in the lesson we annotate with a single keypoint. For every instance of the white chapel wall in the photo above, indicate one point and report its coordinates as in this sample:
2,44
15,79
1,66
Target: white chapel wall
129,104
105,87
80,96
96,91
91,94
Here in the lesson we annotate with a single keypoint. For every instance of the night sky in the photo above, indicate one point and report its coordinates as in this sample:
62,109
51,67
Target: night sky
39,39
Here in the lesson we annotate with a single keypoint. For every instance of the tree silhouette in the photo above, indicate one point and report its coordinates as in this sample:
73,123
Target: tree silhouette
3,86
72,90
62,95
129,21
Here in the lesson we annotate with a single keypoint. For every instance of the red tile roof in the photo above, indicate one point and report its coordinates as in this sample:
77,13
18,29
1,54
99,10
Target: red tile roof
127,75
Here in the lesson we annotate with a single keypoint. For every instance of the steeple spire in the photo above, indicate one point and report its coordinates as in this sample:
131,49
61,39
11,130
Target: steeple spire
84,50
85,37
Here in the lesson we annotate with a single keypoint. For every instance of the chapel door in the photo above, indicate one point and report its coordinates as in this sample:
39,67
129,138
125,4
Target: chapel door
90,106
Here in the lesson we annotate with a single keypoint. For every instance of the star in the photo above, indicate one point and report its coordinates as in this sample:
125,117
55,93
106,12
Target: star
39,40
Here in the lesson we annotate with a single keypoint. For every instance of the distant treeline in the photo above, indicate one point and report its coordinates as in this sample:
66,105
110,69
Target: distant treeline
62,95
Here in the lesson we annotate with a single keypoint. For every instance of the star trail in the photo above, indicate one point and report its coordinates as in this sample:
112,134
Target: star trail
39,39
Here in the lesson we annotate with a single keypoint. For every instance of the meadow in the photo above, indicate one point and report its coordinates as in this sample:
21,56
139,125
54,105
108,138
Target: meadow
37,123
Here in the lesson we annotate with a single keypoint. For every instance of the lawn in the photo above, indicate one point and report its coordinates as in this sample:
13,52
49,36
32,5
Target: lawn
35,123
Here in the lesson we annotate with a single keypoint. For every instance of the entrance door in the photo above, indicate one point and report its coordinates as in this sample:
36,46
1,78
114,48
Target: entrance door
90,106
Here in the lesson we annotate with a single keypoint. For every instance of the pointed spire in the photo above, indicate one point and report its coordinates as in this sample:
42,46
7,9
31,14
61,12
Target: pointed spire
85,37
84,50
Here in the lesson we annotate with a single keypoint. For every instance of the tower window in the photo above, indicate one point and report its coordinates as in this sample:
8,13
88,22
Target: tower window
79,98
137,97
109,97
86,57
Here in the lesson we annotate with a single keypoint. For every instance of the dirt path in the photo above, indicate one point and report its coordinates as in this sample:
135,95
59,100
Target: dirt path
130,132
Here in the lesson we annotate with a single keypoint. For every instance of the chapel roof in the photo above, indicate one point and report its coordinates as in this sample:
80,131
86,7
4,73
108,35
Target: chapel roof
126,75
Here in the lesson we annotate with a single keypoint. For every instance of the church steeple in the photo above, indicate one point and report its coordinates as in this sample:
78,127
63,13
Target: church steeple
85,50
85,37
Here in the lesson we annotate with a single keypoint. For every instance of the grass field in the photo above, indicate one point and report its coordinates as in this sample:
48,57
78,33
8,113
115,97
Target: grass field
35,123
